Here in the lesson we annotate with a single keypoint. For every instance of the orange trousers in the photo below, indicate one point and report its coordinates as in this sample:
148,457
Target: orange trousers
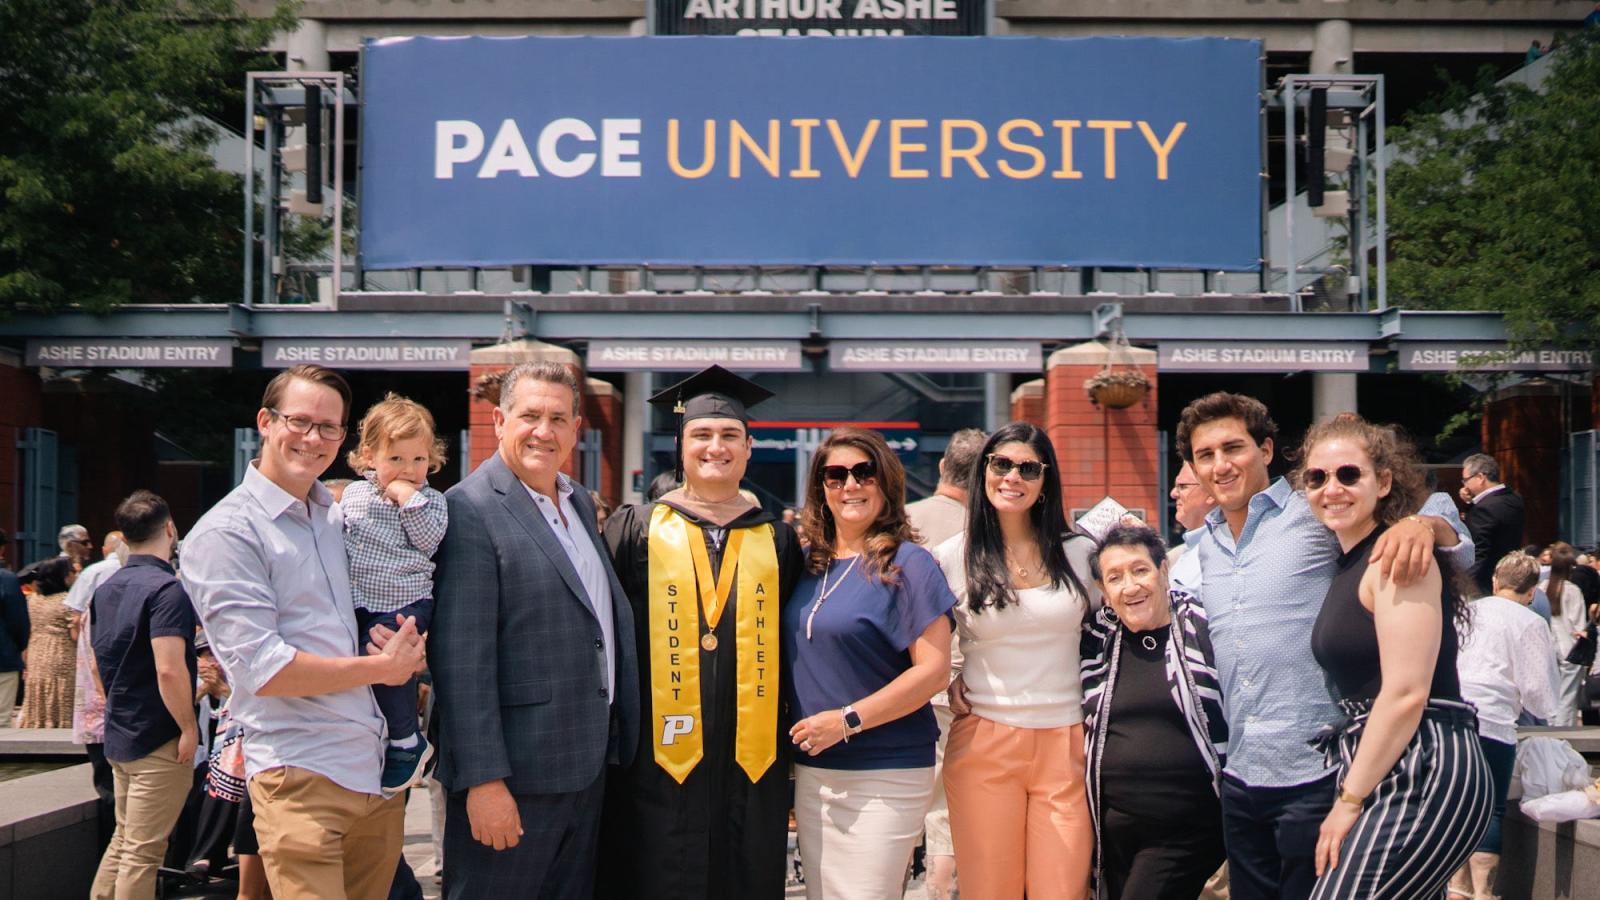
1019,814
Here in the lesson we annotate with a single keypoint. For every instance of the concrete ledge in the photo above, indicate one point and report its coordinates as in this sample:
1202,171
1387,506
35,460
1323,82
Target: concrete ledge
48,842
1584,740
1540,859
39,742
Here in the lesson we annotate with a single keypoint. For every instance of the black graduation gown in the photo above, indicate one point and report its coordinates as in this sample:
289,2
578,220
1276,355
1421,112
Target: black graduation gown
716,835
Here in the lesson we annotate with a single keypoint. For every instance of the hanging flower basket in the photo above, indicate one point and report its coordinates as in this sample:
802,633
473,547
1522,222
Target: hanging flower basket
1117,388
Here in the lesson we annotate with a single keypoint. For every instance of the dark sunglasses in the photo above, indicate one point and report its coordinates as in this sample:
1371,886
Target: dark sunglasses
1348,475
864,473
1001,466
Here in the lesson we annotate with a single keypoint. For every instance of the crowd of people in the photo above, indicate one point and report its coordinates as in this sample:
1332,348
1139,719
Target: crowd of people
1315,694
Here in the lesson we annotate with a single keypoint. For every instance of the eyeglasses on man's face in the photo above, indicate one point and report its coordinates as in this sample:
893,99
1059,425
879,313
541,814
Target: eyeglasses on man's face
328,431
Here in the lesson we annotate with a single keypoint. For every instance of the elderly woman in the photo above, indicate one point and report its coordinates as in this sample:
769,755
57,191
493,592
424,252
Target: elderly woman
866,645
1505,667
1414,791
1153,725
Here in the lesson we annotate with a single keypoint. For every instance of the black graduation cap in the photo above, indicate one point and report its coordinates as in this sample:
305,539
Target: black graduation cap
711,393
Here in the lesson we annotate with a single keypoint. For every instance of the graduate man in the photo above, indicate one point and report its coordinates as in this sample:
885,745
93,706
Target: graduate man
703,810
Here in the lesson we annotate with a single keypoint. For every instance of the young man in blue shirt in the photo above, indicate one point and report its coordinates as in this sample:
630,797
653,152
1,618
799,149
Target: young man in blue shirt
1266,563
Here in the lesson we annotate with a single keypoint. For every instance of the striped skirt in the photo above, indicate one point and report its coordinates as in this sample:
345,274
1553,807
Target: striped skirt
1423,819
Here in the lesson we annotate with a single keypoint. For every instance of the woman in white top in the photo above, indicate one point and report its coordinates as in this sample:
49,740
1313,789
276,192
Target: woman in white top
1505,666
1568,618
1014,766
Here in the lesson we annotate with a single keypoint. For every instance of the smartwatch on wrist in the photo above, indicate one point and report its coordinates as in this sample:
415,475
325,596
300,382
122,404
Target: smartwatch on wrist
852,720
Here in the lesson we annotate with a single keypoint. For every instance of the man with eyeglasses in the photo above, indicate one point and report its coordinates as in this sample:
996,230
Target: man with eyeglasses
267,573
1190,506
703,809
74,542
1495,516
1266,563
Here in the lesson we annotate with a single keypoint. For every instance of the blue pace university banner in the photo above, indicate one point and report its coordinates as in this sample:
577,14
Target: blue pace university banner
797,151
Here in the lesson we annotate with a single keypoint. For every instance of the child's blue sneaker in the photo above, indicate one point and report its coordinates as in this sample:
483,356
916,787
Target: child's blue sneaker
405,766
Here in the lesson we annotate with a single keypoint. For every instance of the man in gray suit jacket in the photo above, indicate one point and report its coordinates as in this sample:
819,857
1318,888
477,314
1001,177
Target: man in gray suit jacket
533,658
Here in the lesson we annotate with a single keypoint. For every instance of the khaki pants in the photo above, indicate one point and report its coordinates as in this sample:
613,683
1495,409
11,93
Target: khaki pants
320,841
8,696
150,794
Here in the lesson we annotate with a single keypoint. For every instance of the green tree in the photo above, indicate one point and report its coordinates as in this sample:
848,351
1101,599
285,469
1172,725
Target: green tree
1495,204
107,191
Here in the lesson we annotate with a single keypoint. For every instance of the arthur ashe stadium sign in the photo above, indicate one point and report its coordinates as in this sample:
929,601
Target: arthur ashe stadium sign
860,151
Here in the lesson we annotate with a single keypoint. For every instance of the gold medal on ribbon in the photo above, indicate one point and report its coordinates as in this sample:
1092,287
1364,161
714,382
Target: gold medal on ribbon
680,572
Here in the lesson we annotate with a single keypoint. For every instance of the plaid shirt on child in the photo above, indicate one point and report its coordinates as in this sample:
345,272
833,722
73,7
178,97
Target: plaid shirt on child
391,547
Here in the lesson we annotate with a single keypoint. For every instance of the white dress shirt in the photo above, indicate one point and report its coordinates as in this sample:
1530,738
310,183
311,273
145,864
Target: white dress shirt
575,539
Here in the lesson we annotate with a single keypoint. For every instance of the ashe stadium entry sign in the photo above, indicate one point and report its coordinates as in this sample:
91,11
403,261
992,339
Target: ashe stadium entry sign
787,151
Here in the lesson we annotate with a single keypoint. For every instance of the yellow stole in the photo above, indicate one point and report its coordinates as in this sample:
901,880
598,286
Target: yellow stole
678,565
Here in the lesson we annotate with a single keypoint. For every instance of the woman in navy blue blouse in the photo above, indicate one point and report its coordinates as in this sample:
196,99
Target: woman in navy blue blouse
867,645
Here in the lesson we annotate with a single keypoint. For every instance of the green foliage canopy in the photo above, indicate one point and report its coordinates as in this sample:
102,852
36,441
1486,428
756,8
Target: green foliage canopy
107,191
1495,204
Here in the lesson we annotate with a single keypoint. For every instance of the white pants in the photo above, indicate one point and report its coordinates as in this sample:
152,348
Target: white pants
937,824
1570,684
8,696
858,828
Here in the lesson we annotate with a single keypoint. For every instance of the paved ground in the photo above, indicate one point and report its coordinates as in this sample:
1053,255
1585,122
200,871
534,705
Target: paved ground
419,852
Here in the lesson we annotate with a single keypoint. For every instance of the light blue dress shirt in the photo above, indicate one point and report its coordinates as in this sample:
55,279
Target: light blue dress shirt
268,577
1186,575
1262,594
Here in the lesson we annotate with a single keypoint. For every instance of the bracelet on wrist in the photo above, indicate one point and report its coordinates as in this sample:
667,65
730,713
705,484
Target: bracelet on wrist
1346,797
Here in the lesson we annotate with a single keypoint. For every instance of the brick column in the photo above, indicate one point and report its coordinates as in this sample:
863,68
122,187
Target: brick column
498,358
1522,431
602,410
1095,446
1027,402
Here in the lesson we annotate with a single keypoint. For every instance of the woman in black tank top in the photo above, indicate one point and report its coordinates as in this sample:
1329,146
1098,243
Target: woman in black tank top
1414,788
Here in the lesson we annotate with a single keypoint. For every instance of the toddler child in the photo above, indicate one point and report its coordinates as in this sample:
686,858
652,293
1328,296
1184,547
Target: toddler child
393,523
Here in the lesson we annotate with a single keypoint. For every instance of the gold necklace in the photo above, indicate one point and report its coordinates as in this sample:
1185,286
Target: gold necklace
1022,571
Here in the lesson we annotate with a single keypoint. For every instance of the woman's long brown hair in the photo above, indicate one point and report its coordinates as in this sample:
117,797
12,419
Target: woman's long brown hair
886,532
1563,556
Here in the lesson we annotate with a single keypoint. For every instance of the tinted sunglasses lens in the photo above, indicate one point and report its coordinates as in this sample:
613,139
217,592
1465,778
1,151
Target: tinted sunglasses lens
1347,475
864,473
1030,470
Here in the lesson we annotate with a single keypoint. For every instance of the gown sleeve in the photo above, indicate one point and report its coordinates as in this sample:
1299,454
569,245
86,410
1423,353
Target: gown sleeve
627,535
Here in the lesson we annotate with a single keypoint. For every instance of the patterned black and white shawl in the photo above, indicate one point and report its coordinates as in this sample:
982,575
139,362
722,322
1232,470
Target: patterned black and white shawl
1191,676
